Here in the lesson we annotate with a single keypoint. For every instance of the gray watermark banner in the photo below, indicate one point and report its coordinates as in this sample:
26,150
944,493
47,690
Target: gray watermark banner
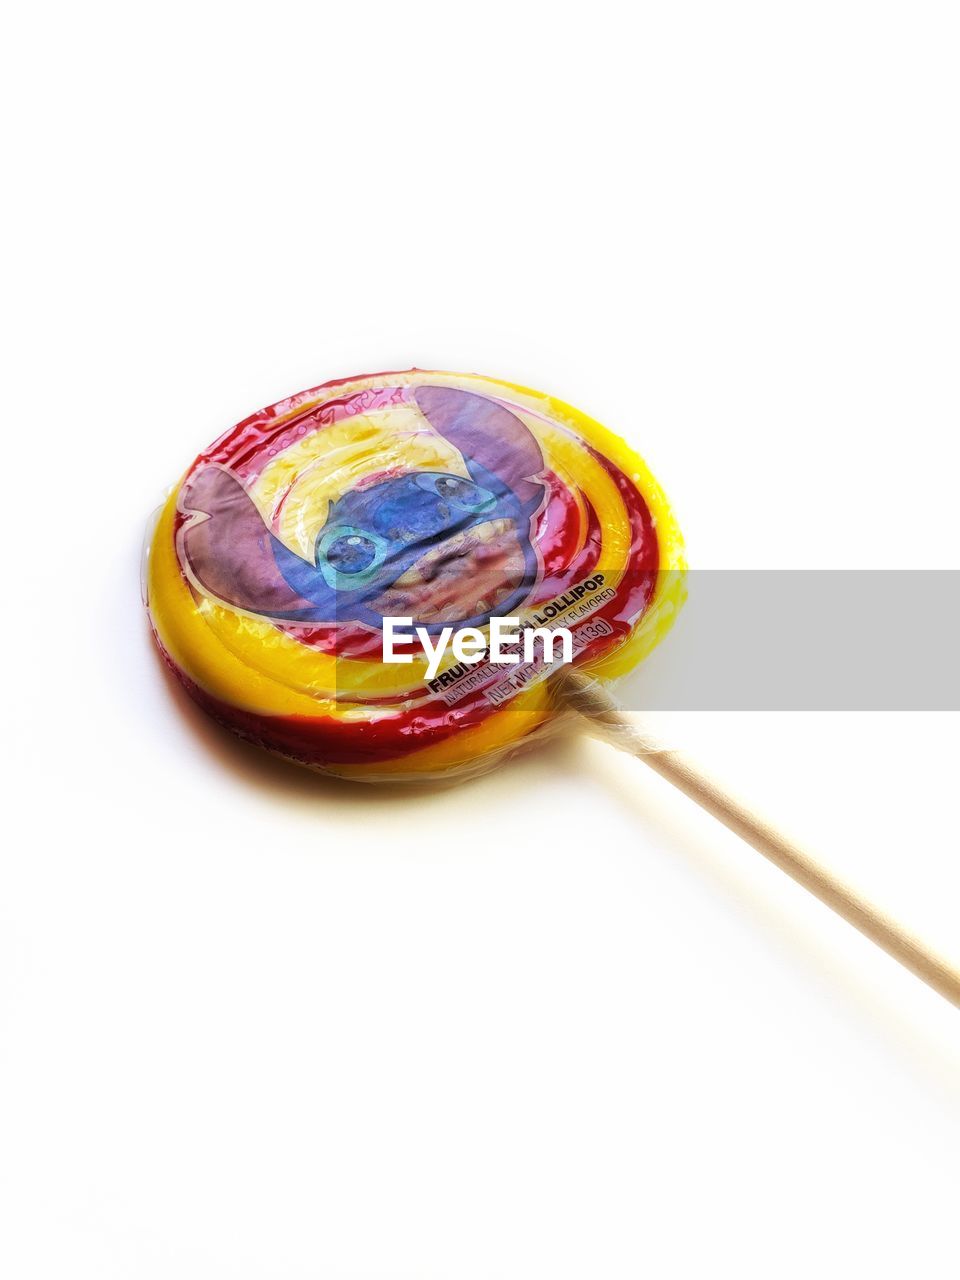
807,640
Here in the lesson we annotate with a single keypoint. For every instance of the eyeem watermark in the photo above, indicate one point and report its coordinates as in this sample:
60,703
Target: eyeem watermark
508,644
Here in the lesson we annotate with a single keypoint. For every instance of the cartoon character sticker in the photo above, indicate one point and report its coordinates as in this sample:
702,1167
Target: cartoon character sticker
430,545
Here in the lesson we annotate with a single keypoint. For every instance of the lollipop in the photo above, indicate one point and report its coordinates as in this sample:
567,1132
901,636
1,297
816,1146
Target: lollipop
443,499
282,562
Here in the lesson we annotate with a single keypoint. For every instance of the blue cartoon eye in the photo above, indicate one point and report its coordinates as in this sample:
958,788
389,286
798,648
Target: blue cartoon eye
349,558
462,493
351,553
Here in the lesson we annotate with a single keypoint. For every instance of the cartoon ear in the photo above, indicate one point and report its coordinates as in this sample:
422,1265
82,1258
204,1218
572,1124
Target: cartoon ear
227,549
488,434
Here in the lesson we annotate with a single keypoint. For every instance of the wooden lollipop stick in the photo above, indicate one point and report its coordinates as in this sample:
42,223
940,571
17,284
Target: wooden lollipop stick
591,700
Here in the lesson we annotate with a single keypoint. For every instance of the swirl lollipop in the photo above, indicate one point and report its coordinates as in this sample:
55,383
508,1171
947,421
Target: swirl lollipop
283,559
442,499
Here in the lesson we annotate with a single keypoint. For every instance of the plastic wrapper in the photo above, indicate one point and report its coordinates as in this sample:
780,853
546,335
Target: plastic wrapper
447,501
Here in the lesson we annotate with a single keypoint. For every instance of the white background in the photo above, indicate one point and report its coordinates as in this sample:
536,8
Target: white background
553,1023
